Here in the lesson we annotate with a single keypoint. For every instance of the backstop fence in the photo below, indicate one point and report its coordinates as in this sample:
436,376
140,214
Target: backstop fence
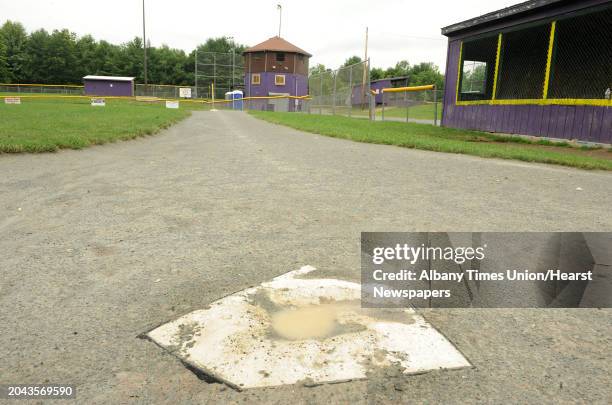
219,73
344,91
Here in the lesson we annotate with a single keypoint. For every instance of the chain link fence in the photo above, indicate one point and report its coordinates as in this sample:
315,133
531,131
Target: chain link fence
342,91
568,58
581,58
31,89
411,104
222,72
168,91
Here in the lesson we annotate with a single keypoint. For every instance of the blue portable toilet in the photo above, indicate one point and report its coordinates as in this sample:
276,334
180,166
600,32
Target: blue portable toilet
236,97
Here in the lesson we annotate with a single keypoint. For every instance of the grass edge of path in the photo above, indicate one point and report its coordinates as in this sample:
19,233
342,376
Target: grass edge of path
501,146
76,143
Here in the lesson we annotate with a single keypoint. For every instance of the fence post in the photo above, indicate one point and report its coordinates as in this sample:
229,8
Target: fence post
350,99
369,88
321,94
435,100
406,103
383,104
334,94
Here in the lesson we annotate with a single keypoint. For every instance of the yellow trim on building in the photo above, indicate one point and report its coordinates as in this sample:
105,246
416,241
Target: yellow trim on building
551,43
499,43
459,71
548,101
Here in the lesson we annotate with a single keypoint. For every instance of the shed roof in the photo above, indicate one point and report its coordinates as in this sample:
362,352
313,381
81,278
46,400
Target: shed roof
276,44
109,78
503,14
390,78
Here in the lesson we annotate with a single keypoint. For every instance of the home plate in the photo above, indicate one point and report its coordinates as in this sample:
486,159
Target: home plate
297,328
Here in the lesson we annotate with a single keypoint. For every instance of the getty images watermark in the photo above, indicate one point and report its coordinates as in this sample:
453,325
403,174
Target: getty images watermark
424,269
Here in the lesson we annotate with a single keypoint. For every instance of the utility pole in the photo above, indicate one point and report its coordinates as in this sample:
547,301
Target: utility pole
144,43
365,69
196,72
280,18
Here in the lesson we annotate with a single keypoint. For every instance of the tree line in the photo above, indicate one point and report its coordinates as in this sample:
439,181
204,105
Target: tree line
417,75
61,57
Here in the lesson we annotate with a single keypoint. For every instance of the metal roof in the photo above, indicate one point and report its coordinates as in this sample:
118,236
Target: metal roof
276,44
505,13
109,78
390,78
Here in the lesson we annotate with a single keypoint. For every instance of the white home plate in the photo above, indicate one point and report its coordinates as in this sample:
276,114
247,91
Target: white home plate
295,329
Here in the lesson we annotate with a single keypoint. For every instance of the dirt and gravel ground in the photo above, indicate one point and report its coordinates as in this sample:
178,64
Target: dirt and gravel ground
101,245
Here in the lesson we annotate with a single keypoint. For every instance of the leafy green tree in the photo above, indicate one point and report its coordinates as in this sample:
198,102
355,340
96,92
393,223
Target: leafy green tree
426,73
221,45
352,61
14,37
318,69
5,73
61,58
85,54
376,73
106,59
36,63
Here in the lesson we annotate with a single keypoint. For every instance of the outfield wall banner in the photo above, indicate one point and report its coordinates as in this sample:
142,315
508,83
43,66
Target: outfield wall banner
486,269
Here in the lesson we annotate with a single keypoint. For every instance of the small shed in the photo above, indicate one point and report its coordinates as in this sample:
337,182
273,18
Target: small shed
109,86
541,68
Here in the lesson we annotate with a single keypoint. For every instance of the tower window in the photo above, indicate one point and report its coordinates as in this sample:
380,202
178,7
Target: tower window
280,56
255,78
279,80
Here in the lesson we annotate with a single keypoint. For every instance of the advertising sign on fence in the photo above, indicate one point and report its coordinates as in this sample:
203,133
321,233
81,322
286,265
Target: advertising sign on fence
185,92
12,100
172,104
98,102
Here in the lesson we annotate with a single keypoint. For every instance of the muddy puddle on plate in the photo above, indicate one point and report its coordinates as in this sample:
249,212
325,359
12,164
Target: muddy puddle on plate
295,329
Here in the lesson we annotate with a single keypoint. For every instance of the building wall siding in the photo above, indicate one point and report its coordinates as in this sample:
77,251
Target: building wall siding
256,62
268,86
585,123
104,88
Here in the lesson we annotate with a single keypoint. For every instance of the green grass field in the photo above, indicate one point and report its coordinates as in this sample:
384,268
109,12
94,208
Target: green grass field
49,124
419,112
439,139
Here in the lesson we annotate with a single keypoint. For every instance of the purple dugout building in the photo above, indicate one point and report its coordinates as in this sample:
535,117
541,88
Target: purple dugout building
276,67
377,86
109,86
542,68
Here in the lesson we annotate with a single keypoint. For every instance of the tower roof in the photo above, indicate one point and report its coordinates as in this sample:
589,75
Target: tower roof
276,44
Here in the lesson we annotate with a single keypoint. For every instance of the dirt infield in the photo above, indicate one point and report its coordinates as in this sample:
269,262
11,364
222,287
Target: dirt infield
103,244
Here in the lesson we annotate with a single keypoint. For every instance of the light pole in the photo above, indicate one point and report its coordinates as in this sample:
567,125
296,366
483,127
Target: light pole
233,59
280,18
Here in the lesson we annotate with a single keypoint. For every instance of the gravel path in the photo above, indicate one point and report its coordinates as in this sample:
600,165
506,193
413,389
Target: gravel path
101,245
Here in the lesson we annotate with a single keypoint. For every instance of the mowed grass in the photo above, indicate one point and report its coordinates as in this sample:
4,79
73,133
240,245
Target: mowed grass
439,139
419,112
46,125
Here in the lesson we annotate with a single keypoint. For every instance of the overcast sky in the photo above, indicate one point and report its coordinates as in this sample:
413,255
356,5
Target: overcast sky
332,30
